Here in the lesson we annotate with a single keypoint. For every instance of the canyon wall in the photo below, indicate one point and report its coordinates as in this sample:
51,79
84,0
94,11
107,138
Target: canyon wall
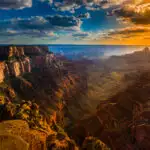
18,67
15,61
3,71
45,92
35,50
9,51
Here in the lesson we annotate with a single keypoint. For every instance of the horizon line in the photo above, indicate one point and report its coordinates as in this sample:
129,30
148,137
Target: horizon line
70,45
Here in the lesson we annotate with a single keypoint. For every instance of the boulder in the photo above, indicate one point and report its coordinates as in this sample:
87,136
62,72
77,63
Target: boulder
20,128
8,141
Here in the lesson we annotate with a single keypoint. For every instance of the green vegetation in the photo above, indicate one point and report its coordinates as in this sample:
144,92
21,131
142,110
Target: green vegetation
2,99
59,139
2,94
60,142
12,58
58,129
92,143
3,85
26,110
30,112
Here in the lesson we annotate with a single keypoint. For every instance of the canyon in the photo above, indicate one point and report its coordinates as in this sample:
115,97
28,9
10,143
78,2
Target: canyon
50,102
37,87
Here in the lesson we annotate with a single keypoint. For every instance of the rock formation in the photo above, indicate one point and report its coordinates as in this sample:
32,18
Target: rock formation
16,143
16,61
3,71
20,130
36,50
36,87
44,97
13,62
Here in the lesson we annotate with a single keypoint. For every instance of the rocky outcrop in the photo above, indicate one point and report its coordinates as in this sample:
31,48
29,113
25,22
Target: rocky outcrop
13,62
36,50
9,51
141,134
91,143
43,60
123,126
2,75
14,68
35,139
39,77
8,141
16,61
16,51
19,67
133,61
4,71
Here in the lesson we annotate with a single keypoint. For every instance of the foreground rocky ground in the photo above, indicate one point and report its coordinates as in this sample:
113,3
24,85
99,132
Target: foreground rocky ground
49,102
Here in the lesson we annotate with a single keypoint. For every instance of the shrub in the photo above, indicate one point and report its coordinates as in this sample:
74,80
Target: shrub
92,143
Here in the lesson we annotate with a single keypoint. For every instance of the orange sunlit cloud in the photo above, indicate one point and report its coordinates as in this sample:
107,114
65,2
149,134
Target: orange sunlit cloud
135,35
136,15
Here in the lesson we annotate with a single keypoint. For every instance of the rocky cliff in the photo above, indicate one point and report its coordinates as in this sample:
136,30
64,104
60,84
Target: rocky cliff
37,87
122,121
3,71
15,61
36,50
47,95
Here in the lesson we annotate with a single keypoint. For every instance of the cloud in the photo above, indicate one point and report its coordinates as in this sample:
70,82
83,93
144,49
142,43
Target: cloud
84,16
54,23
64,21
87,36
81,35
39,27
134,35
15,4
128,32
72,5
49,1
137,14
65,6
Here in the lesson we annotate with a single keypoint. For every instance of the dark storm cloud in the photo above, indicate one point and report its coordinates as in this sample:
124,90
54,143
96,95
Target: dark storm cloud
15,4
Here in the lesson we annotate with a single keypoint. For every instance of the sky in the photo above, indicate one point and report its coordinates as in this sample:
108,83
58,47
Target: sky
110,22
